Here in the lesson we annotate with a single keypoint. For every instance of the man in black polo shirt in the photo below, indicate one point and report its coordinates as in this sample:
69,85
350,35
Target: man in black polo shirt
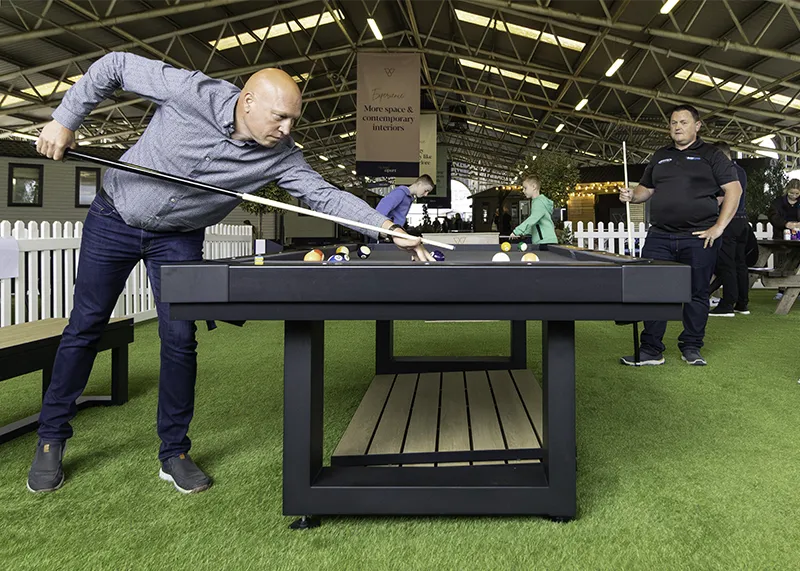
681,182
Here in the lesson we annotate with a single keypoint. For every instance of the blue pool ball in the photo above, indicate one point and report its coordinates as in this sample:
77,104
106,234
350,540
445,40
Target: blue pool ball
363,252
438,255
338,258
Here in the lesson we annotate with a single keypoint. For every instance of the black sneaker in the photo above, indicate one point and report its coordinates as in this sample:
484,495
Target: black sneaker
184,473
720,311
46,474
693,357
743,309
645,359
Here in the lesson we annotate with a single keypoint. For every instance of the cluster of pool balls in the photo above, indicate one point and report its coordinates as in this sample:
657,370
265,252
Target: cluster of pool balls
342,254
506,247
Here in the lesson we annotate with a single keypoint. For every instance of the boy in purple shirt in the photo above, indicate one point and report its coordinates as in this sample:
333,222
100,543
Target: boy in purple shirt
397,203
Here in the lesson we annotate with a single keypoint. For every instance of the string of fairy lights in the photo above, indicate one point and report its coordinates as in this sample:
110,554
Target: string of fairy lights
581,189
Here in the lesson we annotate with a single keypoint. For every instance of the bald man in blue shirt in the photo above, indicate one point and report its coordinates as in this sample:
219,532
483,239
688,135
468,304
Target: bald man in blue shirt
205,129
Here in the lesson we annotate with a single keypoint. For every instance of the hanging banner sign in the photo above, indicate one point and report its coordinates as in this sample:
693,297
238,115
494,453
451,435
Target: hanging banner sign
427,149
388,117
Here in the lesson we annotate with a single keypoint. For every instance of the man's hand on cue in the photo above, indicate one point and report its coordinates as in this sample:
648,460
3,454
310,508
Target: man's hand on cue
709,235
54,140
414,245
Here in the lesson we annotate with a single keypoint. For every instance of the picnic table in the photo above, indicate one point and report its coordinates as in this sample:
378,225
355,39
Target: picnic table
784,273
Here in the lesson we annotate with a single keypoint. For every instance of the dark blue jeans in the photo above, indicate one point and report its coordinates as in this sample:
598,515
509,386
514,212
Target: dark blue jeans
685,249
110,249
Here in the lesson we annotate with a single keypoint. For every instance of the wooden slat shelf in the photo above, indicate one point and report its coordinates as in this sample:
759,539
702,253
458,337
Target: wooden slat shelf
445,419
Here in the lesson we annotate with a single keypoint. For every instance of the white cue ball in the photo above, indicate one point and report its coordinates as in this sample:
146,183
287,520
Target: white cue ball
501,257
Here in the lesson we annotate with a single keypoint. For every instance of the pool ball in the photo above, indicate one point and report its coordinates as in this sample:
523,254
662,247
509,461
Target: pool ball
438,255
505,246
343,250
314,256
530,257
363,252
259,261
338,258
501,257
523,246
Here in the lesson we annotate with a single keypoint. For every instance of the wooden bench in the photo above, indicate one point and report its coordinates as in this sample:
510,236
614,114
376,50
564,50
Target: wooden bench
30,347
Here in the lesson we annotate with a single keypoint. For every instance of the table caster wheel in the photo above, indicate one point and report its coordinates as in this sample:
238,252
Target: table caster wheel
306,522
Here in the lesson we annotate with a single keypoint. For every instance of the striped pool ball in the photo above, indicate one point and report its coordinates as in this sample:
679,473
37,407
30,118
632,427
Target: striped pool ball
343,250
438,255
363,252
338,258
523,246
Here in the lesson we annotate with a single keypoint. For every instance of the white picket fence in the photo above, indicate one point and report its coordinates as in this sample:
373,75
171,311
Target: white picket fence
48,262
614,237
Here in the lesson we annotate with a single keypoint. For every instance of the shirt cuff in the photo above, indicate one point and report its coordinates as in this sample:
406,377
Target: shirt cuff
67,118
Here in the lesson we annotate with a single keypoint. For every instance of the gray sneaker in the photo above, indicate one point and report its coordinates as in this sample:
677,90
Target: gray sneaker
693,357
645,359
46,473
184,474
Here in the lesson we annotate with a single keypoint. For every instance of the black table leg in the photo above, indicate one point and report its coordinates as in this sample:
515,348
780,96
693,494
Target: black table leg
119,375
558,394
303,370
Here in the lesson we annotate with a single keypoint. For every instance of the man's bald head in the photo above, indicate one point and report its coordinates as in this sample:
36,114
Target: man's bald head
270,80
268,107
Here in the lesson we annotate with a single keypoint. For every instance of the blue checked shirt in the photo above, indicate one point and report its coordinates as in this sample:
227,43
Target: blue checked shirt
189,135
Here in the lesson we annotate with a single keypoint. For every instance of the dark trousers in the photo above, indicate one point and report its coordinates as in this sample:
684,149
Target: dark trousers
110,249
731,269
685,249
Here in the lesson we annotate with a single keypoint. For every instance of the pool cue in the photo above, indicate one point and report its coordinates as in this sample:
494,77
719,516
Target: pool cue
632,248
631,243
136,169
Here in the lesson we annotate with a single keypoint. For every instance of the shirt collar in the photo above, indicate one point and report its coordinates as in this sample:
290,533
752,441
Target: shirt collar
227,117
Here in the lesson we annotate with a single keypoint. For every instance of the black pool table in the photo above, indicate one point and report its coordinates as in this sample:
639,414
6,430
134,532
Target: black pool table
433,435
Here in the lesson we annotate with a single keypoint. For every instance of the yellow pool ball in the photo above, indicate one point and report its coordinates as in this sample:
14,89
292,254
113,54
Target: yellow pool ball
530,257
315,255
259,261
343,250
505,246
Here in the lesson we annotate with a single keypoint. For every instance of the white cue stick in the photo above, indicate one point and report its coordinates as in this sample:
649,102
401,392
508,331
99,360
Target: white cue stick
344,221
249,198
631,243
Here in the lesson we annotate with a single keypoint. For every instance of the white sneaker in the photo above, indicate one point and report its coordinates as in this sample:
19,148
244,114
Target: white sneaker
713,302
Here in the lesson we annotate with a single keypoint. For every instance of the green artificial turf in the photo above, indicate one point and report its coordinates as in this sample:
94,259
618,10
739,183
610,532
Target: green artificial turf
679,467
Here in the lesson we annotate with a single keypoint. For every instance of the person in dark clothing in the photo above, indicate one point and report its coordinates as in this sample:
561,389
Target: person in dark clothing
504,226
731,268
681,182
784,212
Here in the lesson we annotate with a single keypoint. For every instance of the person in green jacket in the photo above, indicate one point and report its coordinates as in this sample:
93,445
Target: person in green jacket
540,223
